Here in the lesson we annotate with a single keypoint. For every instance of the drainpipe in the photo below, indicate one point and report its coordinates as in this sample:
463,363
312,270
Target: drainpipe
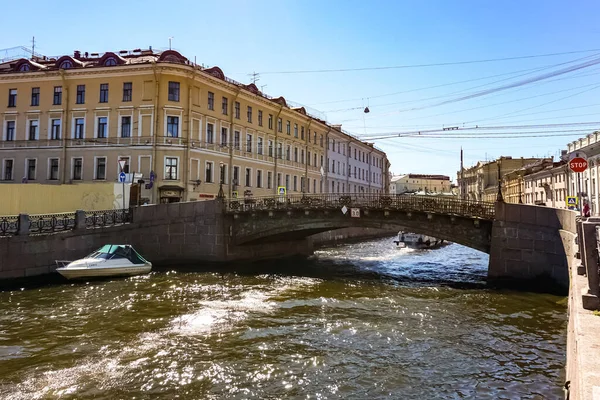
326,164
306,158
369,160
348,168
66,127
155,198
276,164
231,145
188,138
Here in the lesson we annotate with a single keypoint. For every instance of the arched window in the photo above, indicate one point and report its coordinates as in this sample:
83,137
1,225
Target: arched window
110,62
25,67
66,64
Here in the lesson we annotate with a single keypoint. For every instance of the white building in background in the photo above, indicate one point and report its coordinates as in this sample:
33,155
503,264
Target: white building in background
586,182
354,166
545,183
413,183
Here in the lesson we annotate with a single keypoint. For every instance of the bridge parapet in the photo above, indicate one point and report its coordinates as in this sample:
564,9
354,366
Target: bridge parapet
416,203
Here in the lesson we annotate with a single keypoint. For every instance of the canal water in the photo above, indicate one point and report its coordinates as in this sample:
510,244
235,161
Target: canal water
358,321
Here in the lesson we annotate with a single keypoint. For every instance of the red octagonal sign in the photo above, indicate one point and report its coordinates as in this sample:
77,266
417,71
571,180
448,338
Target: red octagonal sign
578,164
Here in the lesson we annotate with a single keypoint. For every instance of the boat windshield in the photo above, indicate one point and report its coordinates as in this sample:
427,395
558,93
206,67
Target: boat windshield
116,251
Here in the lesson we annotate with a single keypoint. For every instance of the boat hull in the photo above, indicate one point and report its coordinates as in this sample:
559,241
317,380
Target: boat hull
97,272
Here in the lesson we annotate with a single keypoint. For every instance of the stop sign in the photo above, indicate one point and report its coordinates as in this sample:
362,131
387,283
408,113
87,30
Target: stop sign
578,164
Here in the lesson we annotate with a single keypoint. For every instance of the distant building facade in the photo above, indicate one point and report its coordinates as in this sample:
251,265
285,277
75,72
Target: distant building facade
412,183
586,184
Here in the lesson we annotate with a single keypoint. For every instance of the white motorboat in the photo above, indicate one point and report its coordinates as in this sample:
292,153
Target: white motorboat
417,241
109,260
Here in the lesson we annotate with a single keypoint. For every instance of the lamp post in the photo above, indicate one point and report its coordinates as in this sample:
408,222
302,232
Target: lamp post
221,195
499,197
303,183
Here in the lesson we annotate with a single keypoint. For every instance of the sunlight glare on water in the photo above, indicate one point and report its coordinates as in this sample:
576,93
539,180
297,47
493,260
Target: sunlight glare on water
355,321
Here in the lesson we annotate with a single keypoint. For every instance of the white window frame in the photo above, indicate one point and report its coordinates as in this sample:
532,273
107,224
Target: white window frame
179,125
120,125
260,145
74,126
28,127
226,136
5,129
213,132
249,183
212,171
248,149
232,175
73,168
4,168
178,164
48,171
96,158
261,172
96,123
198,173
37,167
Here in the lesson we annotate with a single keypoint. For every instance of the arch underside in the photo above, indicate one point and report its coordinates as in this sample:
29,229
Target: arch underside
463,231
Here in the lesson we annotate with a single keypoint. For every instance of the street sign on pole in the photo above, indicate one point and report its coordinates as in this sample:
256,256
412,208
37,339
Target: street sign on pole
122,177
578,164
571,202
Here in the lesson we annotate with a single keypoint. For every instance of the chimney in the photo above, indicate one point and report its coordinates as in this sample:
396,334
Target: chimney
77,54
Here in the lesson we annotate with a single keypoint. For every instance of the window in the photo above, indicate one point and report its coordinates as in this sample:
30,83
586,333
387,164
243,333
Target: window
260,118
259,178
315,138
301,133
31,164
269,179
278,179
222,170
295,154
35,96
12,97
102,127
236,175
53,169
10,131
171,168
127,91
209,173
55,129
259,146
223,136
237,110
236,140
288,128
270,148
77,169
100,168
307,158
295,183
79,128
174,92
295,130
126,127
80,98
249,114
248,177
210,133
321,140
224,106
34,129
270,121
57,100
8,170
103,93
248,143
110,62
172,126
279,125
288,155
280,151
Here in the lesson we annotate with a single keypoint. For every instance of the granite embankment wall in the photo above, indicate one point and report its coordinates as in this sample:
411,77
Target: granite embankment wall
190,233
531,245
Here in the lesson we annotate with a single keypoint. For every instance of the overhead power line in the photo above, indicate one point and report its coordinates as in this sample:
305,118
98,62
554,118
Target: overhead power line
428,65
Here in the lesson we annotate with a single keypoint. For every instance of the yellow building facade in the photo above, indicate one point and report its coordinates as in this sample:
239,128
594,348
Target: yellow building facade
188,131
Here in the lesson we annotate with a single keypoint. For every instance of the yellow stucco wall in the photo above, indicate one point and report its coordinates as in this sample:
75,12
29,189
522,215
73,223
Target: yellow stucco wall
31,198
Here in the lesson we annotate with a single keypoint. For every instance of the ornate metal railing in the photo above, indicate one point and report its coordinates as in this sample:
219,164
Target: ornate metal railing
9,225
60,222
433,204
95,219
51,222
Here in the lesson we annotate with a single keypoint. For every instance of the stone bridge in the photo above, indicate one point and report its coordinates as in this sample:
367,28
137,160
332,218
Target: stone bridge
296,217
525,243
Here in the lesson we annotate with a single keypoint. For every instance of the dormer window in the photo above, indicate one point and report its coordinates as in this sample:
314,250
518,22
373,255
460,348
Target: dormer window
67,64
110,62
24,67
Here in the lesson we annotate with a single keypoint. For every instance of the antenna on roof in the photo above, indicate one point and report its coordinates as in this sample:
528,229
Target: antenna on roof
255,77
170,38
33,47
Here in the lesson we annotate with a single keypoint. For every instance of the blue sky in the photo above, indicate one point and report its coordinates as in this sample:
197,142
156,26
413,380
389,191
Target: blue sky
286,36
